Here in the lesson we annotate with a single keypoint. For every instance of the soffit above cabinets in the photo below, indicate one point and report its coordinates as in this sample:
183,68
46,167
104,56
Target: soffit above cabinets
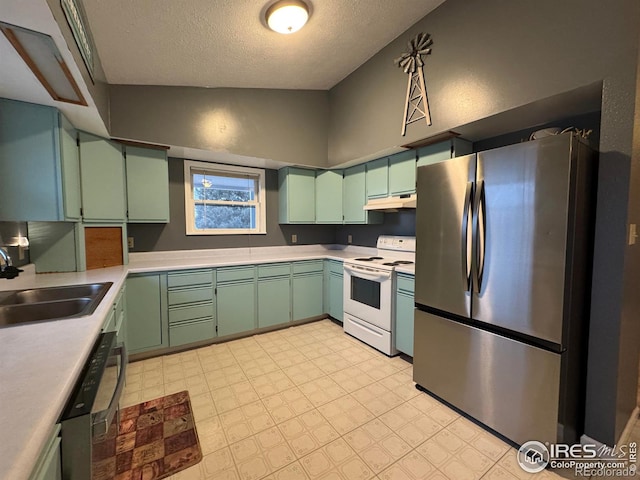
221,43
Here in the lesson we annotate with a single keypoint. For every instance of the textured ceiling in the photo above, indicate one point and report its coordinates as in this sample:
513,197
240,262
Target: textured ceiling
224,43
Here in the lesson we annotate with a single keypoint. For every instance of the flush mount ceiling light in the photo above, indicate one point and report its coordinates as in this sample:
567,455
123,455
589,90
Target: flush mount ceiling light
287,16
41,54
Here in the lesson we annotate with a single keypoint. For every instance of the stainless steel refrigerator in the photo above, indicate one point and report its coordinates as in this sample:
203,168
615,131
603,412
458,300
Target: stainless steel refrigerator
503,276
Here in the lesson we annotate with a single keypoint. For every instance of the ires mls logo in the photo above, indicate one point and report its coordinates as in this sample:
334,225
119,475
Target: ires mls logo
586,460
533,456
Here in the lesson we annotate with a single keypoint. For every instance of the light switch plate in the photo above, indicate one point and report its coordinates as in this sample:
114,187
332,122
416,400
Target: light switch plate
130,242
349,239
633,234
294,238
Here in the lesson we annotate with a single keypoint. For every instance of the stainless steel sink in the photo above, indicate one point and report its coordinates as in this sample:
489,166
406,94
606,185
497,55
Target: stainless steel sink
42,304
38,295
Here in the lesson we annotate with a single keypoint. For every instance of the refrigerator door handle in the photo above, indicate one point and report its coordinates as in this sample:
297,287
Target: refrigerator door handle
464,242
479,234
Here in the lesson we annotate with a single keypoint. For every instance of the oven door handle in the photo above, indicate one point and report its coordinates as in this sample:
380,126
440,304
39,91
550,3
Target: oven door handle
354,271
102,420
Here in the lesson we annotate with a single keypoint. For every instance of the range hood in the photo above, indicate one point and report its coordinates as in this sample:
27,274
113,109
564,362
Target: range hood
392,204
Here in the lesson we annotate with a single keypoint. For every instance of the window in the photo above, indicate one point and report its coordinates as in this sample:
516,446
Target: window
223,199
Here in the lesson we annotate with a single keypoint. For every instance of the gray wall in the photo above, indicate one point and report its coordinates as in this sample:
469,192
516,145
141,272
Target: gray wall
282,125
402,222
8,231
172,236
492,56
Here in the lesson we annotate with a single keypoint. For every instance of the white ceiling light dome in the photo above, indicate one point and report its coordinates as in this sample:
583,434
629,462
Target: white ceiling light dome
287,16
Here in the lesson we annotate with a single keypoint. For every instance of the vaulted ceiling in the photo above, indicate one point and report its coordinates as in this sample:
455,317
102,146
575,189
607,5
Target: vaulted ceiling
225,43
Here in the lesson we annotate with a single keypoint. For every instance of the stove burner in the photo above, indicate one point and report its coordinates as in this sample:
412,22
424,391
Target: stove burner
403,262
368,259
391,264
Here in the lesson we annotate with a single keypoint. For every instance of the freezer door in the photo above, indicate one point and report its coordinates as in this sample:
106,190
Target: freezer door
509,386
522,198
443,235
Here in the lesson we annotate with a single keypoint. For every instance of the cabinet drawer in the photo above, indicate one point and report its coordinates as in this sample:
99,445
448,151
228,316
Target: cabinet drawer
191,295
405,283
231,274
274,270
192,312
335,267
307,266
189,277
183,333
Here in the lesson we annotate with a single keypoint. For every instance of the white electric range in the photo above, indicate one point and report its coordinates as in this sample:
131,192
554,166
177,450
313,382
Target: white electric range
369,292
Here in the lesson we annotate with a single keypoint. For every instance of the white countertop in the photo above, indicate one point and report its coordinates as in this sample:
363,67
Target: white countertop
39,364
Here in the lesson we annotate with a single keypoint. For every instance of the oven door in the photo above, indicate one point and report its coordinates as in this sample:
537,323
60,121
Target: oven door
92,413
368,295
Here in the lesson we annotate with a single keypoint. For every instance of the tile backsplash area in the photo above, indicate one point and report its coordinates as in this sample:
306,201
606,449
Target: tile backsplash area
9,233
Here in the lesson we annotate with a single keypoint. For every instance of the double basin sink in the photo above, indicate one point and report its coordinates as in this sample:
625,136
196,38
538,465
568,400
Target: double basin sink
18,307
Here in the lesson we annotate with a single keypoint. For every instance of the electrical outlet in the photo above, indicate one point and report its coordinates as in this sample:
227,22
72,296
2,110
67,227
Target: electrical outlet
349,239
130,242
294,238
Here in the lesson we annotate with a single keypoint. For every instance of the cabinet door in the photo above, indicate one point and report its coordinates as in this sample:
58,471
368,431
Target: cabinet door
49,465
296,190
378,178
102,179
147,185
274,300
443,151
402,173
29,163
336,293
404,323
70,161
354,194
236,308
329,196
307,296
144,313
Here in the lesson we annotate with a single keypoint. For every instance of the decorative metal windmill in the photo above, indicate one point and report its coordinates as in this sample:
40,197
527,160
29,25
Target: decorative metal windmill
416,106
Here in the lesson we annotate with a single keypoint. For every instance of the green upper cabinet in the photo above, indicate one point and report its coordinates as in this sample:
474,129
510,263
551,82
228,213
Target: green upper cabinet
102,179
439,152
147,185
402,173
377,177
355,197
329,196
297,192
39,172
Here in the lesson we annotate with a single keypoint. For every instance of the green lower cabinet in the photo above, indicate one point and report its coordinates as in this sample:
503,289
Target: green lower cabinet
404,313
236,307
191,331
274,300
307,295
335,295
48,466
146,325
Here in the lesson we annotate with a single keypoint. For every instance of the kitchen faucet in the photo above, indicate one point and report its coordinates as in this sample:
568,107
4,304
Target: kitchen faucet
7,259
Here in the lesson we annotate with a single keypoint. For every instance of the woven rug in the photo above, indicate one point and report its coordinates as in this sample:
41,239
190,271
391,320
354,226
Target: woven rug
156,439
